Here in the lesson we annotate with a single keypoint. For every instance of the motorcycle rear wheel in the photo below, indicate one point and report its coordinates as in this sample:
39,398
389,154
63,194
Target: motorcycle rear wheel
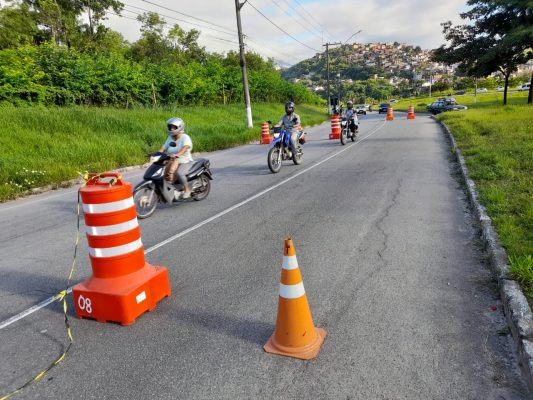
202,192
145,200
297,156
274,159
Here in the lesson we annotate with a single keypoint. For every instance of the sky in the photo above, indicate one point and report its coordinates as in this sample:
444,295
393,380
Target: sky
303,26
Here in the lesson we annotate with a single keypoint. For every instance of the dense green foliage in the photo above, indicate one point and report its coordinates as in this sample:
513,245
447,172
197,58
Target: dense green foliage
48,57
52,75
42,146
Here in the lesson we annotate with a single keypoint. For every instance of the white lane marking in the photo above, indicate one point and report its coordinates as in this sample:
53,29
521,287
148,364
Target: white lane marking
189,230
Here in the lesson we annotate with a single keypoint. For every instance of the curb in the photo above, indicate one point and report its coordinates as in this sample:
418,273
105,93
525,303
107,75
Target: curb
515,305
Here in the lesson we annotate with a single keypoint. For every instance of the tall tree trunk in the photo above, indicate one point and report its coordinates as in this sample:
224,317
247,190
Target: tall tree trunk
507,73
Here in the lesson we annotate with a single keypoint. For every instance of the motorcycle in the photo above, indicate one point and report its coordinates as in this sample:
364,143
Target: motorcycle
346,132
281,149
155,189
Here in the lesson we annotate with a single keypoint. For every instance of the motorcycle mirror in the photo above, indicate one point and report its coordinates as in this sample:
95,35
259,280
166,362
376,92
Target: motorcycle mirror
172,144
295,120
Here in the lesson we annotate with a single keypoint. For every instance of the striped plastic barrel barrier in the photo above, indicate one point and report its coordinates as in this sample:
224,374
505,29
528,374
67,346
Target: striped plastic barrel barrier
122,285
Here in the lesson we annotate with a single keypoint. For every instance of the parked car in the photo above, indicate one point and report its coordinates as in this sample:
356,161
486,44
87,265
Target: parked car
393,101
500,88
383,107
445,104
361,109
524,87
482,90
460,92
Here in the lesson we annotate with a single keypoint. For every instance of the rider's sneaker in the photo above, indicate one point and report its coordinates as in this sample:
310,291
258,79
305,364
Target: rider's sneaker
186,195
177,194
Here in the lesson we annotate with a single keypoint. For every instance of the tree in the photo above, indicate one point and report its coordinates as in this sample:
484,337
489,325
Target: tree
499,38
17,27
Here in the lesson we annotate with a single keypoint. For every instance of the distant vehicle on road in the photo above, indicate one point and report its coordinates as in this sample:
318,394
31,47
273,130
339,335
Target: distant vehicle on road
383,107
524,87
445,104
393,101
482,90
460,92
500,88
361,109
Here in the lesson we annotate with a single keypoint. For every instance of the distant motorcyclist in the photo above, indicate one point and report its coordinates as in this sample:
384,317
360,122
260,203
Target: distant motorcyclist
180,154
290,121
351,116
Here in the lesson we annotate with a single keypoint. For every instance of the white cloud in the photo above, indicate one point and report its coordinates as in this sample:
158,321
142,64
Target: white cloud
415,22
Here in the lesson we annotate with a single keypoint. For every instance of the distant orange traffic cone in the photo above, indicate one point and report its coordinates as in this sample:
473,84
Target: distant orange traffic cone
390,114
265,134
411,112
295,334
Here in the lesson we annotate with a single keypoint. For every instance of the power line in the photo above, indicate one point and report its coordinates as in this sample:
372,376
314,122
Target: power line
190,16
308,13
257,47
178,19
298,21
281,29
320,32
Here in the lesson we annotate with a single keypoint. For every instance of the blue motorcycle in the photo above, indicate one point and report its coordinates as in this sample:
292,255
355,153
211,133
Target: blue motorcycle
281,149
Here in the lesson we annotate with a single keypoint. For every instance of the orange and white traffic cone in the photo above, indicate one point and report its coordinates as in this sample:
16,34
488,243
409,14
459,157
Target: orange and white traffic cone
265,134
390,114
295,334
411,112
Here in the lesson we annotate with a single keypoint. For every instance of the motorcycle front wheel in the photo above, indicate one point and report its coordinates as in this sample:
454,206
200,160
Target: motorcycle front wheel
344,136
145,200
203,188
274,159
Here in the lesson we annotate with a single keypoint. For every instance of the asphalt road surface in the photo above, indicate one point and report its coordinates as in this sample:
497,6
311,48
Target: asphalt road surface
390,262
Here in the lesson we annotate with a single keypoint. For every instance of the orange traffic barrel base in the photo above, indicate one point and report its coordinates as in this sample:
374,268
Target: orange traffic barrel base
410,116
124,298
307,352
266,139
334,135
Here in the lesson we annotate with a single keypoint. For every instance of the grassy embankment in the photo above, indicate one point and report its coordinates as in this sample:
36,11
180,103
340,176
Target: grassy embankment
497,143
42,146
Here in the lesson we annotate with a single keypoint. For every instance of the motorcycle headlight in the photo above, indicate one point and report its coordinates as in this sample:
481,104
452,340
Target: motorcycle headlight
159,172
276,135
154,159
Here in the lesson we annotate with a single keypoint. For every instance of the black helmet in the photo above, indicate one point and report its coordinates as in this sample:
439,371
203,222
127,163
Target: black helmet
289,106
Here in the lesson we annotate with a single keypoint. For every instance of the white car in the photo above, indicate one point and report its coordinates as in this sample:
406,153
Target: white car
500,88
524,87
482,90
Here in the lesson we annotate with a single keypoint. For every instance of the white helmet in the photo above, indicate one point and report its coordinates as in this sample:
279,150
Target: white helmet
175,125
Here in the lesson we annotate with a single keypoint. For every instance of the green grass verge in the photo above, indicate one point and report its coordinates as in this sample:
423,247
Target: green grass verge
42,146
497,143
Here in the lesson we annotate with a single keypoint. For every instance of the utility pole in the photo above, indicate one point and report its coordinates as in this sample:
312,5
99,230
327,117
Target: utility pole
327,72
238,6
